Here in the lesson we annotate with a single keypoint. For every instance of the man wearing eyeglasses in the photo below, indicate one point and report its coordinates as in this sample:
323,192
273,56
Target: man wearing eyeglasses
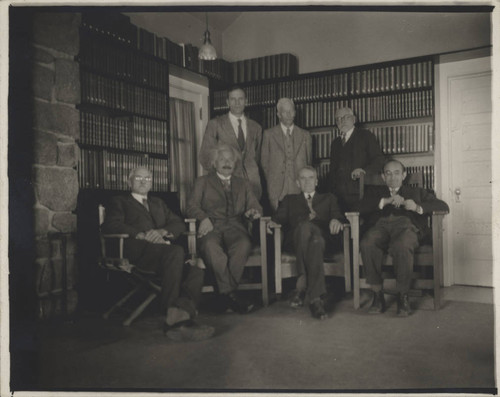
151,227
353,153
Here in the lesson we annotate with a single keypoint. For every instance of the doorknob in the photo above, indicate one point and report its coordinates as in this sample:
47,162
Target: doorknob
457,194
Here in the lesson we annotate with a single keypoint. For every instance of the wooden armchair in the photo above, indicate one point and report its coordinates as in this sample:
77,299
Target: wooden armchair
140,280
285,263
257,259
427,256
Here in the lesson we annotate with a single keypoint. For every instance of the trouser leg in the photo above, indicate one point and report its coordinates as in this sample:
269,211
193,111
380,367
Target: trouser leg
170,271
372,247
404,240
310,248
192,284
238,249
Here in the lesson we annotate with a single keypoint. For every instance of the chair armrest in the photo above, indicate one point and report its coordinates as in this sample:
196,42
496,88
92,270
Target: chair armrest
191,236
116,235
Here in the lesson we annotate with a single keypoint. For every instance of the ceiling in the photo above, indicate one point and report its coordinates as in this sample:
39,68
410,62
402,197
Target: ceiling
217,20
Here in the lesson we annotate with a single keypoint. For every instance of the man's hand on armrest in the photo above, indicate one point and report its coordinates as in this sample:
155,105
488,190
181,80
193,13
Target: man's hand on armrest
270,225
335,226
205,227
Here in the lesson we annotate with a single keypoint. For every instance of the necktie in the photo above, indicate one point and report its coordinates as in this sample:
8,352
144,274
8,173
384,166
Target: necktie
145,203
343,139
241,137
393,191
312,215
226,185
288,135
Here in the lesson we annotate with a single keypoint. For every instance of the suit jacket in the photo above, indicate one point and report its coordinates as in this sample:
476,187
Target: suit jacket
126,215
208,199
293,209
368,207
360,151
220,130
273,158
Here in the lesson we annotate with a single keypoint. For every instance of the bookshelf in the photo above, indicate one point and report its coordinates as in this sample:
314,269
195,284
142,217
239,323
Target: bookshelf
394,100
124,109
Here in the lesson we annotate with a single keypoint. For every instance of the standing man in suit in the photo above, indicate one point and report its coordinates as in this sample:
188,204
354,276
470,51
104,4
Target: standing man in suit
221,202
241,133
286,149
355,152
311,221
396,223
151,226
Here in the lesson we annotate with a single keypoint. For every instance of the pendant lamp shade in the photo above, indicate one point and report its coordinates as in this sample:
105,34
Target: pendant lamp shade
207,51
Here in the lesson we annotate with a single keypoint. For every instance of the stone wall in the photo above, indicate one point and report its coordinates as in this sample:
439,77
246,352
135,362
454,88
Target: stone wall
55,92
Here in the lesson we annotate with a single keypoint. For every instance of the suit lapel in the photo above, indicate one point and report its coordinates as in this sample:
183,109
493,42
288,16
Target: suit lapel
138,205
278,136
298,140
228,130
216,184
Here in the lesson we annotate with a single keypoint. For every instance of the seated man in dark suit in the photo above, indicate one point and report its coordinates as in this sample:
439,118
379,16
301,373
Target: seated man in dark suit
311,221
221,202
396,223
151,226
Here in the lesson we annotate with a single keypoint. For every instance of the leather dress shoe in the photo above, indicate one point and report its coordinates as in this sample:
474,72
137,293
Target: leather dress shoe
378,303
237,304
404,309
188,331
297,299
317,308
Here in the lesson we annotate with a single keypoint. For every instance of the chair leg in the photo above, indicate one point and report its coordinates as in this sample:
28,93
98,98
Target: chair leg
140,309
347,261
121,301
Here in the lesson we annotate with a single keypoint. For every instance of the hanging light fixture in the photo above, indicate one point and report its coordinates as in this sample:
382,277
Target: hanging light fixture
207,51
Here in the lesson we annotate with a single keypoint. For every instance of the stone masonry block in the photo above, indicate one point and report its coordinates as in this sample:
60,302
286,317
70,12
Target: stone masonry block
67,81
45,148
42,247
64,221
43,82
42,56
56,188
59,118
57,30
41,223
66,155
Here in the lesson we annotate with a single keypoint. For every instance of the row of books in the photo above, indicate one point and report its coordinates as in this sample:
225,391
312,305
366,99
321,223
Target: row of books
427,171
392,78
402,105
322,142
317,114
160,47
267,67
118,61
124,96
255,95
411,138
135,133
112,25
102,169
315,87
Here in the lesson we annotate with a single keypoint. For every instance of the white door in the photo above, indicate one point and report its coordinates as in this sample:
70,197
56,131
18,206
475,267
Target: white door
466,154
198,95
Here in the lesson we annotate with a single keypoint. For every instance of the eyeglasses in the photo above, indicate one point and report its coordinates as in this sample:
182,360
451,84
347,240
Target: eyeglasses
143,178
343,118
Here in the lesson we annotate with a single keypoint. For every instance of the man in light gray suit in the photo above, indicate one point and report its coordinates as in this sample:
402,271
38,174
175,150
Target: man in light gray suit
241,133
286,149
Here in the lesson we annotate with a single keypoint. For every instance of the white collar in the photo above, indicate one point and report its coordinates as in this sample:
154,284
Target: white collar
284,128
234,119
312,194
222,177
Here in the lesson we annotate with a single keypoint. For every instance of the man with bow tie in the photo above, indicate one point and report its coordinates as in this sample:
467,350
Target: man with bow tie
355,152
222,202
151,227
395,223
312,222
286,149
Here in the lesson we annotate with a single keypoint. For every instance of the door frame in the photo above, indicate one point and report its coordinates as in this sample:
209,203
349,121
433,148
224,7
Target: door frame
446,72
199,94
